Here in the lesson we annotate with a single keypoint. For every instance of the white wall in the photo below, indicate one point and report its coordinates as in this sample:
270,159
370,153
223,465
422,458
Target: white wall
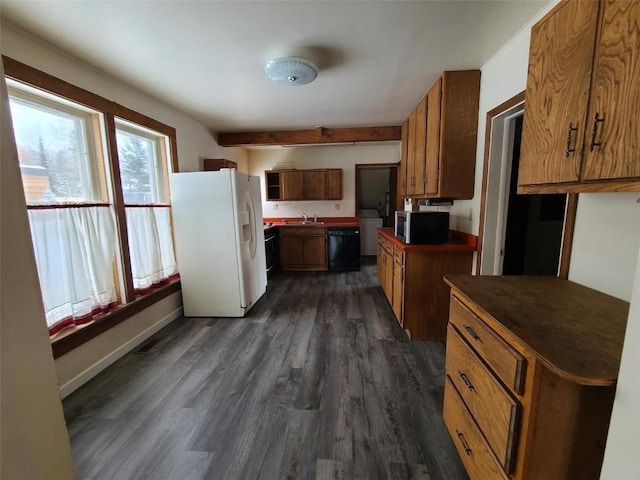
329,156
606,239
194,143
29,396
621,459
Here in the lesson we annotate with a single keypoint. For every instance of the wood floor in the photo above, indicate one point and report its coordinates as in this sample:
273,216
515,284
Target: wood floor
317,382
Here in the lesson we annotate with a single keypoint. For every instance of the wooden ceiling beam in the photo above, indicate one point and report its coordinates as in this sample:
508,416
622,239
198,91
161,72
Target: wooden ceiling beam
318,135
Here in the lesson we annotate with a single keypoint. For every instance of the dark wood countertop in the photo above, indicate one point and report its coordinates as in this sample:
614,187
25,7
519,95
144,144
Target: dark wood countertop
458,242
575,331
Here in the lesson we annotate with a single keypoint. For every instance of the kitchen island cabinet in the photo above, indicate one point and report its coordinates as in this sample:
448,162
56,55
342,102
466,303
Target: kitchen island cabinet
411,278
531,367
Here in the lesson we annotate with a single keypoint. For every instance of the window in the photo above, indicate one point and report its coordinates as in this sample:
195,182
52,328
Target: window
57,149
100,222
143,176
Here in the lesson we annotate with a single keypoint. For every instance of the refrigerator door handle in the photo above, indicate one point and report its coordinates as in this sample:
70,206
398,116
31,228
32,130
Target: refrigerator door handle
252,225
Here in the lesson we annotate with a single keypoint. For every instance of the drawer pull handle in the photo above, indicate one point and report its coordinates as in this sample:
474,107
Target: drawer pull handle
467,450
473,334
571,130
466,381
594,132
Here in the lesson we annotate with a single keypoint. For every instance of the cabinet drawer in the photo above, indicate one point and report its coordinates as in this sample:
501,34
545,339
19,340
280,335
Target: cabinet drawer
386,244
473,450
296,231
398,256
492,407
504,360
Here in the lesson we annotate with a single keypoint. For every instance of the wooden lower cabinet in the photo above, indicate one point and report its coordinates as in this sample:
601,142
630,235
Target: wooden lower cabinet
412,282
398,287
385,266
531,365
303,248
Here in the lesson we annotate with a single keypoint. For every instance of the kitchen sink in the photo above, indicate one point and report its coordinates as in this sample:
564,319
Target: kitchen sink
301,222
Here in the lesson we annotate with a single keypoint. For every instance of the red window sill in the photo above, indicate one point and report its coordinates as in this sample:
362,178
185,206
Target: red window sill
70,338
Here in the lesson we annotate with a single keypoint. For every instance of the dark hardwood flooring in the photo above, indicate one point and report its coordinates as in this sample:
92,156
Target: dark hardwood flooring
317,382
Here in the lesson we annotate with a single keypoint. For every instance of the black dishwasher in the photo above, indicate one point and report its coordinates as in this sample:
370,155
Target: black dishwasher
343,248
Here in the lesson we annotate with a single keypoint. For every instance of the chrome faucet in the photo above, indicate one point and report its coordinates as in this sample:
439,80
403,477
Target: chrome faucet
304,217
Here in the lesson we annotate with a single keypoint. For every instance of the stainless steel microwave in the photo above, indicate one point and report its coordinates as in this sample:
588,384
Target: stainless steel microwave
422,228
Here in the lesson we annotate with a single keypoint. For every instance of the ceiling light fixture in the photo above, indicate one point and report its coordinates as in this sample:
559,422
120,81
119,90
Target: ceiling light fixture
291,71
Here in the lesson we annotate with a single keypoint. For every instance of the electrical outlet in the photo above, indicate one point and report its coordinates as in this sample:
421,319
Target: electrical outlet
336,206
470,214
275,206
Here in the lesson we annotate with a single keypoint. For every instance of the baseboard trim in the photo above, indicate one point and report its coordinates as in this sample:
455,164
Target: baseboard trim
79,380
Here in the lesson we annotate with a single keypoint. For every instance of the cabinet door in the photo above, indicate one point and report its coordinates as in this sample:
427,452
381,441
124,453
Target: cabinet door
273,183
315,182
612,142
334,184
388,276
402,174
432,160
291,251
560,64
398,287
380,263
420,147
411,153
292,185
315,251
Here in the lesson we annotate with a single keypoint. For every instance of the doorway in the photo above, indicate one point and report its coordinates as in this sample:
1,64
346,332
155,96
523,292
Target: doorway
376,186
533,232
519,234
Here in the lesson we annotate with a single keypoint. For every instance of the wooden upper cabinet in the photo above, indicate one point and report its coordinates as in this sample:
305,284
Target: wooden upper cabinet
402,174
432,160
310,184
580,131
560,63
458,138
613,125
420,147
334,184
291,185
212,164
411,152
315,184
441,138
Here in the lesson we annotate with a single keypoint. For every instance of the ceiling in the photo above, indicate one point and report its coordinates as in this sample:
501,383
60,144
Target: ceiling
206,58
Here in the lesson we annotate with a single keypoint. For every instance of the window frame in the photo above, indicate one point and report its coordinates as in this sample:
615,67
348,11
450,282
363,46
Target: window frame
92,129
131,304
159,172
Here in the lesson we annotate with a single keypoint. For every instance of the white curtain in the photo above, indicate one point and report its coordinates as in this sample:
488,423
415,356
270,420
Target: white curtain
150,246
74,250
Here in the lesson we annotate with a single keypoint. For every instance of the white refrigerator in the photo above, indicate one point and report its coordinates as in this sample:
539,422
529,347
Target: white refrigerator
219,237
